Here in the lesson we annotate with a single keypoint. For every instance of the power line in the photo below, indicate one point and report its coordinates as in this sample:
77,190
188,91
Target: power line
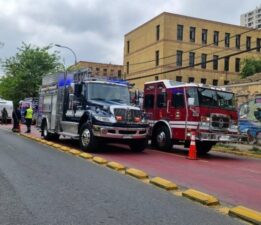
195,49
197,64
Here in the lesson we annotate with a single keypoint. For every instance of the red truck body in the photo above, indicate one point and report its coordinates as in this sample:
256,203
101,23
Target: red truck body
175,109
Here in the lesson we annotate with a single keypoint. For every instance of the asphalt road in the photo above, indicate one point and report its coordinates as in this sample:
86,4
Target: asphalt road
40,185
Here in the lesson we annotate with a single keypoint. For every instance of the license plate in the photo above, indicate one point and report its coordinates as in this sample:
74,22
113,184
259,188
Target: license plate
127,137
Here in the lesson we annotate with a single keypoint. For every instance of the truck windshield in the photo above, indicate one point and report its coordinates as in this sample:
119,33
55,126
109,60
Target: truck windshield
108,92
212,98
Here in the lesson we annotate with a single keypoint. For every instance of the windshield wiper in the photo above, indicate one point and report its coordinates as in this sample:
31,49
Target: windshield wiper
116,100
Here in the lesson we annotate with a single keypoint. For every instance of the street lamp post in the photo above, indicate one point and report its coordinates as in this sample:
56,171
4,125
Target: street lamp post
61,46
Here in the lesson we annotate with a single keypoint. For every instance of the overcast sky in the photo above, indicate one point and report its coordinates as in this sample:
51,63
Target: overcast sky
95,29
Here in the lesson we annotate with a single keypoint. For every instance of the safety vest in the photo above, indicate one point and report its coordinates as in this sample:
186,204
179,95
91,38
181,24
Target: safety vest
29,113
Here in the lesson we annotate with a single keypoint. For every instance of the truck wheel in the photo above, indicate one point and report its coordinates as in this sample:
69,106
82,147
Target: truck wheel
87,141
138,145
163,139
203,147
47,135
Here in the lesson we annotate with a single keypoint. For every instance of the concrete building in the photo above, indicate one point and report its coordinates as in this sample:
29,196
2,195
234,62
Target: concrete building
252,18
187,49
101,69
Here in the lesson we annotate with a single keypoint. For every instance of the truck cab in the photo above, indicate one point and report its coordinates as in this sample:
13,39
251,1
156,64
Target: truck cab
174,110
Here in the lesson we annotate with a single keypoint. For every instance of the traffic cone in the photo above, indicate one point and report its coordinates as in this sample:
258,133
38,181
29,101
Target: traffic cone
192,148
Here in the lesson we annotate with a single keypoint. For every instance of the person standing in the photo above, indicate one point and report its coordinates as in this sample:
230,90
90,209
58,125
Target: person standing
4,116
16,119
28,115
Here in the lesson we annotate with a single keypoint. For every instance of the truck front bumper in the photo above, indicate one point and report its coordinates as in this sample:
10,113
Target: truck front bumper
120,132
229,137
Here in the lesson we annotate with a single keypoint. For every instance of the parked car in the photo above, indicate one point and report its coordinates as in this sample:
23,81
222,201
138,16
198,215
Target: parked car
250,120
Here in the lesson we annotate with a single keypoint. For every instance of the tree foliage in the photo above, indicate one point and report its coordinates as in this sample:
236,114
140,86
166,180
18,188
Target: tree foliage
250,66
24,71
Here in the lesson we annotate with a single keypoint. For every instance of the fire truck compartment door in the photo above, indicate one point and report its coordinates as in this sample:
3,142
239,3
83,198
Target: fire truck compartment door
53,112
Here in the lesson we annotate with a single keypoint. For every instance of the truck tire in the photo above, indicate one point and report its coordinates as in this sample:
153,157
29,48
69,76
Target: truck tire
138,145
163,139
47,135
87,140
203,147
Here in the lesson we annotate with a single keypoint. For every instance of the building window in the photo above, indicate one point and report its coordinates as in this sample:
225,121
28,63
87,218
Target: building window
248,42
227,40
119,73
179,58
128,47
191,59
238,41
191,79
215,82
215,62
216,38
192,34
156,58
156,78
157,32
105,72
128,68
179,78
226,63
226,82
204,36
237,65
203,61
258,44
179,32
203,80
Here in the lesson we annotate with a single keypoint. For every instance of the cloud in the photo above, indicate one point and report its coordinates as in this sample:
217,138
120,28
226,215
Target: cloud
95,29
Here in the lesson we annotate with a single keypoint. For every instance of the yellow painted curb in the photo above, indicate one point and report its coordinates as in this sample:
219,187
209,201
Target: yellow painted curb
38,139
165,184
137,173
116,166
57,146
86,155
43,141
75,152
65,149
50,143
99,160
200,197
246,214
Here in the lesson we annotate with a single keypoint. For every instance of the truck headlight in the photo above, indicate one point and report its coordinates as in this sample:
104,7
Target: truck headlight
106,119
205,121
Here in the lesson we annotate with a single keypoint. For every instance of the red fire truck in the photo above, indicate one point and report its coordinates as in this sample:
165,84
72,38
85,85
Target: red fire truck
174,109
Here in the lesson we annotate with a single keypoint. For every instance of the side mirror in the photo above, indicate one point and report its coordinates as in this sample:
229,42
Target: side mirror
191,101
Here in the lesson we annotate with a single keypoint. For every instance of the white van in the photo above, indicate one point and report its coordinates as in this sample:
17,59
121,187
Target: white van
8,105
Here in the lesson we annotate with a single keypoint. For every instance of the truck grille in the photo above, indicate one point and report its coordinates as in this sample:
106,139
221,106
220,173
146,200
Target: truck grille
128,115
219,122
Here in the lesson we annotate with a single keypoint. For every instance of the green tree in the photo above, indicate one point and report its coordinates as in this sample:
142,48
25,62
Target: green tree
250,66
24,71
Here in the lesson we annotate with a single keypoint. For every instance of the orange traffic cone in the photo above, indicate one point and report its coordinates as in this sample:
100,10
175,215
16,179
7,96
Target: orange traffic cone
192,148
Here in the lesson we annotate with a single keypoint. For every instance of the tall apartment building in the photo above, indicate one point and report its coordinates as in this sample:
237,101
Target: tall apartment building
101,69
187,49
252,18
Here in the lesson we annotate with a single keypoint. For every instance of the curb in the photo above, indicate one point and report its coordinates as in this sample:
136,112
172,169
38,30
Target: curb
137,173
86,155
246,214
238,153
163,183
75,152
99,160
200,197
116,166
